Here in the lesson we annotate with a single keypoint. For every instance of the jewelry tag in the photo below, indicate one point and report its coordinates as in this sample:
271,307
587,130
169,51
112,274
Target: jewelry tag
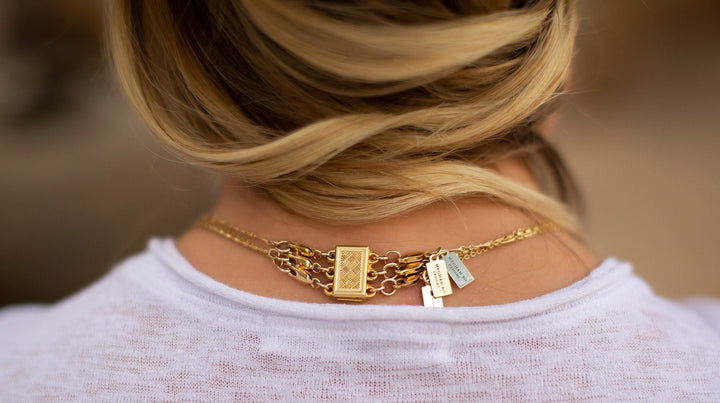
457,270
429,300
439,280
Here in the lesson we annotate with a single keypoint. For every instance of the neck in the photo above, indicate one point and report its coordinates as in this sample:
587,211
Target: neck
522,270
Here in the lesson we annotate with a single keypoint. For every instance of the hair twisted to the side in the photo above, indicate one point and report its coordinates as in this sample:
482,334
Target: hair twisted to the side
350,111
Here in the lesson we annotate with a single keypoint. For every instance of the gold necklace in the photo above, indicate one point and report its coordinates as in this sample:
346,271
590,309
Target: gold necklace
355,273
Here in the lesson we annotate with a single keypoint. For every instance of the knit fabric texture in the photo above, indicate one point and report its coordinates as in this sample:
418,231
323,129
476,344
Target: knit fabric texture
154,328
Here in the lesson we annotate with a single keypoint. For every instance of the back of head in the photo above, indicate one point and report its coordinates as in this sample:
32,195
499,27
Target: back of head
352,111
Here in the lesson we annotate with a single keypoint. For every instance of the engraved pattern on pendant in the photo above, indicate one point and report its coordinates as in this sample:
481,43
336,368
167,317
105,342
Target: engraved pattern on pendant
350,262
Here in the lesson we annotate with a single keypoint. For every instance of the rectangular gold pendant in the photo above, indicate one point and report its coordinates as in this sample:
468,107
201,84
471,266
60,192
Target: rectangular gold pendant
350,276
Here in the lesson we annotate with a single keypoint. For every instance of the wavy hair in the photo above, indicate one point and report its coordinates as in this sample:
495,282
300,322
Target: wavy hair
354,111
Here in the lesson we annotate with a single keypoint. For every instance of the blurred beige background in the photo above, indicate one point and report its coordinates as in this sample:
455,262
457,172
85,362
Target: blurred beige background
83,184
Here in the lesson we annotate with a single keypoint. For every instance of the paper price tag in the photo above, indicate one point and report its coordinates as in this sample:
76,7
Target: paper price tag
457,270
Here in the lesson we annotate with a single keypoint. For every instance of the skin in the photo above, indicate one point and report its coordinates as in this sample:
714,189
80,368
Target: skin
518,271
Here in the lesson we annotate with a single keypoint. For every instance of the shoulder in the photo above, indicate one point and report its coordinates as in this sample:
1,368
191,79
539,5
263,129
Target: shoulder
708,309
130,288
54,349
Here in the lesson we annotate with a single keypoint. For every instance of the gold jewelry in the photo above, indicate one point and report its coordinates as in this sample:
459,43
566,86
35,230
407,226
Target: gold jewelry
356,273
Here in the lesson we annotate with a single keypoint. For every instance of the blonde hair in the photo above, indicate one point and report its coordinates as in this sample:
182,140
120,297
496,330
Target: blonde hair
353,111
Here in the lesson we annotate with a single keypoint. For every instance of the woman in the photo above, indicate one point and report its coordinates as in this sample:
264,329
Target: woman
389,156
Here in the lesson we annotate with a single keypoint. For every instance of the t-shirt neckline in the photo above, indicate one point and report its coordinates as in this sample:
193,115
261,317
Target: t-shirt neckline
608,274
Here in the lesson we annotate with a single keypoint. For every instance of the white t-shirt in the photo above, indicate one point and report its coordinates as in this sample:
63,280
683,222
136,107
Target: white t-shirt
155,329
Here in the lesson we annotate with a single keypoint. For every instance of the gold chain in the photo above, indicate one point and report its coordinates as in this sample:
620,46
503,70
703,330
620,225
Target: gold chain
354,273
